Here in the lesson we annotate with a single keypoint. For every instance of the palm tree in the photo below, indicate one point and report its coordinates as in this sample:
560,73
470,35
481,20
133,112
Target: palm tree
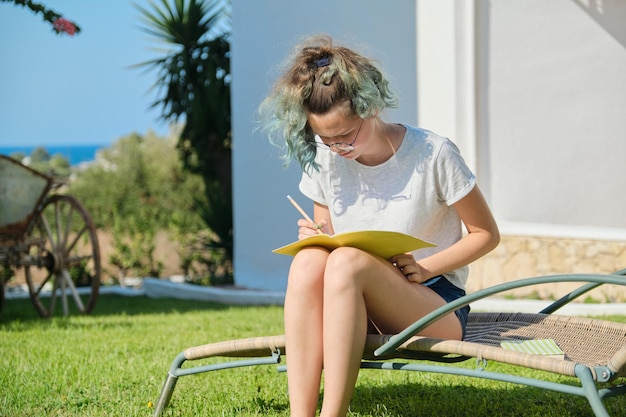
194,81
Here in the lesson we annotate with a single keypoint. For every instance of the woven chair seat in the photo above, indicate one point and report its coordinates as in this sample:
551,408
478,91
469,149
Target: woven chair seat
594,350
585,341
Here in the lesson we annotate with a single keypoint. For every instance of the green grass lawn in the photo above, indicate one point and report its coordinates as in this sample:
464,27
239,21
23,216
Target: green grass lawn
114,362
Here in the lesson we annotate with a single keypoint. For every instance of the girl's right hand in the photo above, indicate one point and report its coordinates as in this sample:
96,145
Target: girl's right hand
308,228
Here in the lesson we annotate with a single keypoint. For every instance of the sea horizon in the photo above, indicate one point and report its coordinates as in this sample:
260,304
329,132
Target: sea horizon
75,153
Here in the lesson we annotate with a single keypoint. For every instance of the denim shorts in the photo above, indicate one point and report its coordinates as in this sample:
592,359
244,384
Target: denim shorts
449,293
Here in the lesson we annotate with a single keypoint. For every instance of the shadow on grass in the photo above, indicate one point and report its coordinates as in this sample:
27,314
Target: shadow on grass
443,399
109,305
389,394
414,399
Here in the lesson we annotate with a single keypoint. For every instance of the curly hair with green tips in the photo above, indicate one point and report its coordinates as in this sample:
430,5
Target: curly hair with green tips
320,76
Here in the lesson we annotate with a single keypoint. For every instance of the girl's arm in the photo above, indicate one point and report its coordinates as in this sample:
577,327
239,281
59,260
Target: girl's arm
482,237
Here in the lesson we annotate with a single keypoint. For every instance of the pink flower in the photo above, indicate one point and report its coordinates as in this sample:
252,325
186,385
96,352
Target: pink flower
64,25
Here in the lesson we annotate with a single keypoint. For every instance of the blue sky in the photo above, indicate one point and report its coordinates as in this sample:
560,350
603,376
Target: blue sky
59,89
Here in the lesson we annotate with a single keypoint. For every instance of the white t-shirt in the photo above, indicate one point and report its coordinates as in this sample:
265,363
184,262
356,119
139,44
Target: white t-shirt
412,192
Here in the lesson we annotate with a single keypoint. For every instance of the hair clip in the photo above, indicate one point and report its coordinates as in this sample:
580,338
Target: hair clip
322,62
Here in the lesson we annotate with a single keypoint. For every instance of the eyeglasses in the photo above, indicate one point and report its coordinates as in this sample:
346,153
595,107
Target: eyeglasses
340,146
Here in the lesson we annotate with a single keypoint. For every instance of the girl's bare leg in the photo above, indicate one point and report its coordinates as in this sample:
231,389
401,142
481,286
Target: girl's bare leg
303,330
358,285
345,328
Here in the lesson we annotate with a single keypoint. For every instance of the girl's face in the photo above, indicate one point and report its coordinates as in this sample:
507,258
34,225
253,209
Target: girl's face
340,133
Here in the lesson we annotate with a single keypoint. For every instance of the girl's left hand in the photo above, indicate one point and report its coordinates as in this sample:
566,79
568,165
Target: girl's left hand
407,265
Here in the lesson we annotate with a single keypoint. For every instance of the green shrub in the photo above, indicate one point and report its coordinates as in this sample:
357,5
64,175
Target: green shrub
138,187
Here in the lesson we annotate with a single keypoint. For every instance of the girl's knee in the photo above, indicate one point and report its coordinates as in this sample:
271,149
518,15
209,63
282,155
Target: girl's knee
346,265
349,258
307,269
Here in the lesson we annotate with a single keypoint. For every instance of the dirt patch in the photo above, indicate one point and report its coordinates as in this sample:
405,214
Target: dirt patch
166,251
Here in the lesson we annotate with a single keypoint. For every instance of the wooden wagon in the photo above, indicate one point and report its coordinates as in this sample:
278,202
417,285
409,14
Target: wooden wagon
47,239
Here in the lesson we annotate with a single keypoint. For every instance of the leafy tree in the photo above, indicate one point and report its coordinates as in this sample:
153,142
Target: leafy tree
40,160
59,23
137,171
19,156
59,165
39,154
136,188
134,244
194,78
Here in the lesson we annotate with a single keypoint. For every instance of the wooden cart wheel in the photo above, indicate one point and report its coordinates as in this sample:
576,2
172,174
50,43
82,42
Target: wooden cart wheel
65,265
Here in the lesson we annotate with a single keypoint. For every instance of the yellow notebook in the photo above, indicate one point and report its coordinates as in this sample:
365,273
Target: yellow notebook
382,243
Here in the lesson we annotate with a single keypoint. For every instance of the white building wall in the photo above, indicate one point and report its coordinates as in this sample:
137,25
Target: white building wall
446,72
532,91
554,88
263,34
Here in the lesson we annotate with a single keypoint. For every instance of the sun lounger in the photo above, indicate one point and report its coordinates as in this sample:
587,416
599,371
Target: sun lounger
593,352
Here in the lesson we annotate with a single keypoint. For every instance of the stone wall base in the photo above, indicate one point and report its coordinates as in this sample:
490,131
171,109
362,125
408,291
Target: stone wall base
520,257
